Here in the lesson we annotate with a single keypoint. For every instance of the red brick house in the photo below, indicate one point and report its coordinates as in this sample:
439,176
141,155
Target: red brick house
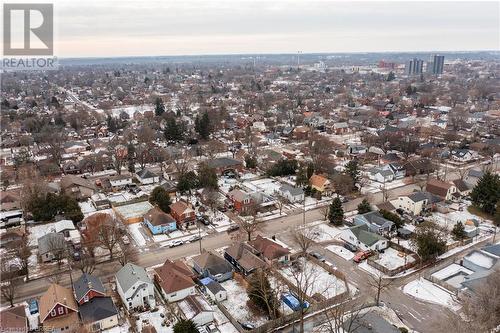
241,200
58,310
183,214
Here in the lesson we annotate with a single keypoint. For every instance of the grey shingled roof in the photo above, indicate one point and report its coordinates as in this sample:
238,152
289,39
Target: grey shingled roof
50,241
292,189
417,196
98,308
364,236
215,287
85,283
129,274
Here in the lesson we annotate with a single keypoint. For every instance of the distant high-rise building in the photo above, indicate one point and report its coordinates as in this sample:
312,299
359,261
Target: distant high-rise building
435,64
414,67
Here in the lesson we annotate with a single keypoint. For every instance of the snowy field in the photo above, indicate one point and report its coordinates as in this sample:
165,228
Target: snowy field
392,259
427,291
236,303
340,251
319,280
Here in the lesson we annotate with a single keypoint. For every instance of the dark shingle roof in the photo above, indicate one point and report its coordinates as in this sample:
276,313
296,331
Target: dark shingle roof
97,309
85,283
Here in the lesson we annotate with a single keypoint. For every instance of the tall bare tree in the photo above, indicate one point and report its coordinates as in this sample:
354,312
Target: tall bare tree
379,283
9,289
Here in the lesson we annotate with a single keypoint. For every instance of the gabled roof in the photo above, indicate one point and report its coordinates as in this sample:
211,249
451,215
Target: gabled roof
129,274
174,276
238,195
215,287
97,309
50,242
223,162
85,283
318,180
438,187
461,185
13,319
158,217
192,305
56,294
245,256
291,189
213,263
375,218
71,180
145,173
417,196
364,236
180,207
268,248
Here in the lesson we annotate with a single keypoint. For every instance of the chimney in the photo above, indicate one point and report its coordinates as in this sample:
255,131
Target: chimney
65,301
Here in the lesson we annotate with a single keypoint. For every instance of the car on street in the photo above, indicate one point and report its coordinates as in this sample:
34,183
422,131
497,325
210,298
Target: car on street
247,326
204,219
194,238
176,243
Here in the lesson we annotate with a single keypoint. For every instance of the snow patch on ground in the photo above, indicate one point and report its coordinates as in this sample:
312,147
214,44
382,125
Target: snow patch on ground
430,292
392,259
341,251
135,231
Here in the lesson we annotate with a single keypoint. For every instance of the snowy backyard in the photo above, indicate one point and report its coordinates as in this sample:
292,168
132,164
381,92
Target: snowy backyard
321,232
317,279
236,303
392,259
340,251
156,319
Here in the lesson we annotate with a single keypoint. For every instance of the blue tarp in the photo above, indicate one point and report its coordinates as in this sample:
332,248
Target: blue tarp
206,281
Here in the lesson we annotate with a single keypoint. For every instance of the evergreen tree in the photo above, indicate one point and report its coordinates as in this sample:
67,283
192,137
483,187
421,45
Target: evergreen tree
496,218
486,193
185,326
391,76
159,106
161,198
428,241
187,182
458,231
202,126
173,130
250,161
352,169
336,212
207,177
364,207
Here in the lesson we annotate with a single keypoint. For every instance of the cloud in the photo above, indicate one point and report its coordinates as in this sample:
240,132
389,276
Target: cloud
114,28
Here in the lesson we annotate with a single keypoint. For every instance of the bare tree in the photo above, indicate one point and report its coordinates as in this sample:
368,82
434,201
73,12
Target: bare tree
23,252
126,255
9,289
109,233
262,294
324,210
118,153
343,318
86,263
304,237
250,225
281,201
182,161
58,248
379,284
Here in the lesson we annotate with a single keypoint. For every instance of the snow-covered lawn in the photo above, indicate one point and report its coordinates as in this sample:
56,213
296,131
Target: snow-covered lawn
37,231
135,232
392,259
236,303
155,319
430,292
450,270
449,220
321,232
316,277
266,185
341,251
123,328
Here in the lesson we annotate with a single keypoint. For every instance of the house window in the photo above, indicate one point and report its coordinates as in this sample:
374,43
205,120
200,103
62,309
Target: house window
129,303
53,312
61,311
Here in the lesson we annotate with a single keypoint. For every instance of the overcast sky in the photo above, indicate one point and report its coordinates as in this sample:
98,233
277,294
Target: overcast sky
176,27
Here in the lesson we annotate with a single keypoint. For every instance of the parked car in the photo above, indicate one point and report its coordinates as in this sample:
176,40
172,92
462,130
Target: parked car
234,227
76,256
247,326
194,238
318,256
33,306
362,255
211,328
176,243
204,219
350,247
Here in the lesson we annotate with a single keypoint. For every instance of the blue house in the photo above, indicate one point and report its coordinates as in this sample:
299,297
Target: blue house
159,222
211,265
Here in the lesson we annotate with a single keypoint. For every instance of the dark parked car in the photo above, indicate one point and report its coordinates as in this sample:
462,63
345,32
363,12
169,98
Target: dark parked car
318,256
247,326
350,247
204,219
234,227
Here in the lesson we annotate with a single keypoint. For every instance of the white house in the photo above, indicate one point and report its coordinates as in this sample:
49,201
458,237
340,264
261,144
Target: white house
147,177
216,292
291,193
413,203
119,181
197,309
175,280
135,287
463,155
360,237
